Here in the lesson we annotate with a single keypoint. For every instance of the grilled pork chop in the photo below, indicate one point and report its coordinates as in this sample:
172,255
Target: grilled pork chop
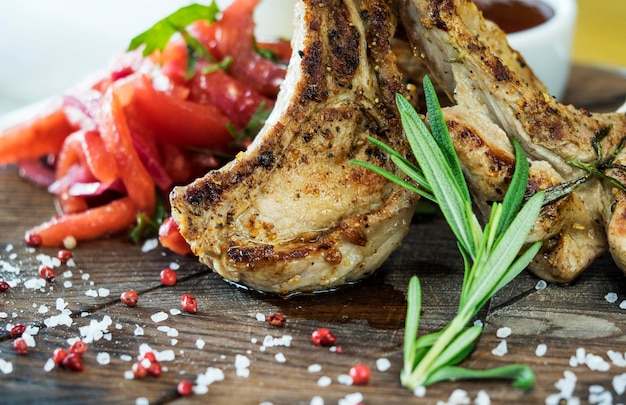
498,97
292,213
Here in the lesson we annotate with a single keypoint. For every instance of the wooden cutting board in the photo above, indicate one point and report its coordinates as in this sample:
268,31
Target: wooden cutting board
367,318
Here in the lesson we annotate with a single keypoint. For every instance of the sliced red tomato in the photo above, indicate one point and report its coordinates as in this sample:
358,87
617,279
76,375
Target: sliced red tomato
180,122
281,48
118,142
236,36
236,99
170,237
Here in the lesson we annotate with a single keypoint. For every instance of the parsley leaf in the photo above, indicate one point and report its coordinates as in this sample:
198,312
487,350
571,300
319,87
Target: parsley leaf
157,36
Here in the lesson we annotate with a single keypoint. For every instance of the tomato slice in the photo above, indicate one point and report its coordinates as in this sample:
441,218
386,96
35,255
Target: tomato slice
118,142
236,99
180,122
170,237
236,34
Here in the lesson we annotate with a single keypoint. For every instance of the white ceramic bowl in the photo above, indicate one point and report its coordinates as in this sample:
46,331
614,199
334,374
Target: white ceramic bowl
547,47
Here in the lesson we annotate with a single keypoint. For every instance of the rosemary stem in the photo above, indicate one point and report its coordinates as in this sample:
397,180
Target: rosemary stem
420,374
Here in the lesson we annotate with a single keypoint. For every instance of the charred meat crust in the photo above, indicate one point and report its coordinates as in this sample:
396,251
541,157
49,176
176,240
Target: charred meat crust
499,98
292,213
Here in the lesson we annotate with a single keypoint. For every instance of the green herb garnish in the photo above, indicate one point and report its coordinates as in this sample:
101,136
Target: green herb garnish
157,36
146,226
254,125
491,254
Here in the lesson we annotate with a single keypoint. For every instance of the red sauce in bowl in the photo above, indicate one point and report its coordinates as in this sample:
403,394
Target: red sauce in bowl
515,15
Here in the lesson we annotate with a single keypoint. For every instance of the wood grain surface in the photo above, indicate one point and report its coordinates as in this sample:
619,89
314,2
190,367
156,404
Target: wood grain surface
367,318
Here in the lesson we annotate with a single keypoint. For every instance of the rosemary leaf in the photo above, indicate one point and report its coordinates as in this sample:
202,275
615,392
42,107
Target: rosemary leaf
492,256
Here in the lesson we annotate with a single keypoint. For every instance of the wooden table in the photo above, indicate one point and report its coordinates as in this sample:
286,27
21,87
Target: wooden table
367,318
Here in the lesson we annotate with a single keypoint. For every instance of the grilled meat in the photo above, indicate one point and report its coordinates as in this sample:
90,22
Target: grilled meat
498,97
292,213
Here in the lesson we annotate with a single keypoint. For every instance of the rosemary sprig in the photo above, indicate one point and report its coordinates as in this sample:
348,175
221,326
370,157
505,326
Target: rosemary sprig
491,254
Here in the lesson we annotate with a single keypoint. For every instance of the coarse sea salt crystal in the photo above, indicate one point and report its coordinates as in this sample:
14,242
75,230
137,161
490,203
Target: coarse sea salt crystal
596,363
159,317
142,401
64,318
351,399
103,358
49,366
126,357
622,304
503,332
420,391
43,309
67,273
459,397
541,350
619,383
383,364
482,398
200,389
541,285
270,341
67,284
617,358
567,384
175,311
210,376
129,375
200,344
599,395
149,245
138,330
103,292
6,367
47,260
241,365
501,349
324,381
344,379
314,368
260,317
91,293
30,341
317,400
95,330
611,297
165,355
280,357
174,266
581,354
35,283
